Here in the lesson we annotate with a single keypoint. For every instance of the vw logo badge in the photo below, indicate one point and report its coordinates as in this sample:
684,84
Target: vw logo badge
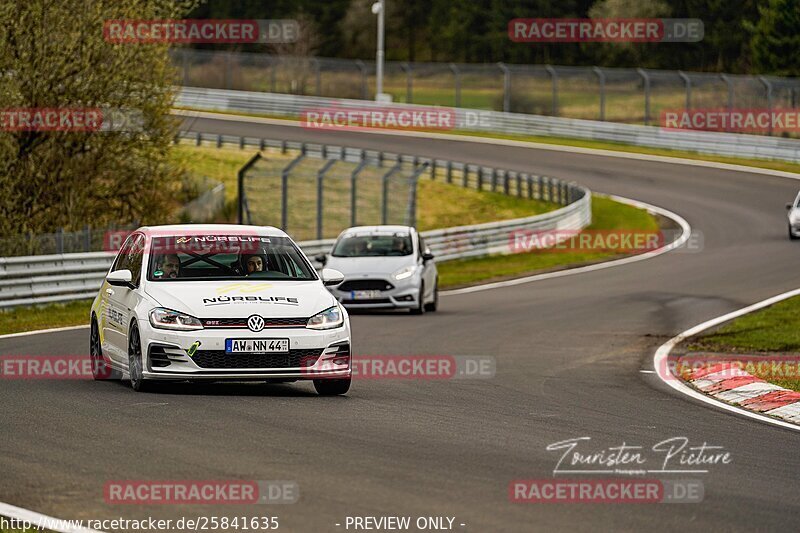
255,323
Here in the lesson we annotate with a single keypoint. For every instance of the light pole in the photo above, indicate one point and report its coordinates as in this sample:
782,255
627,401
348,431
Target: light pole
379,8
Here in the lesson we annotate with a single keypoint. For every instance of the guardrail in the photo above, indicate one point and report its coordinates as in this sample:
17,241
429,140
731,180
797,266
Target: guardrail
58,278
65,277
712,143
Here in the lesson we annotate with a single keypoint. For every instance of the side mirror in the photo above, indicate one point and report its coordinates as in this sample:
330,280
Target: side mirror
120,278
331,277
321,258
789,207
427,256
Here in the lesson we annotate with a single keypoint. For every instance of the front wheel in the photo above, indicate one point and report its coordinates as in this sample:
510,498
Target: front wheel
332,387
101,369
435,303
135,365
420,308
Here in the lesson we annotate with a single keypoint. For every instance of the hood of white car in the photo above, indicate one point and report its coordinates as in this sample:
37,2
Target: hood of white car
383,266
237,299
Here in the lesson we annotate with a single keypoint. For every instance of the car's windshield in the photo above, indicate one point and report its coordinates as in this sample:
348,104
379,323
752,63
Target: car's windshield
226,257
373,245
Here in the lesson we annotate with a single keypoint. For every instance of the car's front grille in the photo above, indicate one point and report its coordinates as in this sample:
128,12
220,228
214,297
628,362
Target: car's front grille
220,359
365,285
239,323
367,301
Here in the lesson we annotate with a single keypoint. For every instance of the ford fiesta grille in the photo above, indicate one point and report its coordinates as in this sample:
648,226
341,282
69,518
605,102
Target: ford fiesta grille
234,323
365,285
220,359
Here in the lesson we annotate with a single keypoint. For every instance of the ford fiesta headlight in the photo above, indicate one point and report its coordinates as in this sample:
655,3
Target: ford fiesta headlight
168,319
405,272
327,319
794,217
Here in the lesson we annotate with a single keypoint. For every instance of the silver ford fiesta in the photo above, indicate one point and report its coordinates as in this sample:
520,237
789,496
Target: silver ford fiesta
384,267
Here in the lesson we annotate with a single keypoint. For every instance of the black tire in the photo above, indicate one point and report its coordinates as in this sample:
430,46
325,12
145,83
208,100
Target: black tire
420,309
791,235
332,387
101,369
434,305
135,362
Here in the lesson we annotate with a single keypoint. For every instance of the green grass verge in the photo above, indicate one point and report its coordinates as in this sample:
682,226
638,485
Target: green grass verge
775,329
45,316
606,215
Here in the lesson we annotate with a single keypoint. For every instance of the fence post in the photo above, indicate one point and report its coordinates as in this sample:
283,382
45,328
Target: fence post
457,80
285,187
519,185
353,188
317,76
88,235
494,179
320,180
480,178
449,171
768,87
530,186
505,182
506,87
409,82
601,79
729,85
554,78
364,89
465,176
688,83
60,241
385,188
228,70
240,184
646,80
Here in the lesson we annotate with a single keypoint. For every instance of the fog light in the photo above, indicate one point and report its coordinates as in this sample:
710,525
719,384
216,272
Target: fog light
406,298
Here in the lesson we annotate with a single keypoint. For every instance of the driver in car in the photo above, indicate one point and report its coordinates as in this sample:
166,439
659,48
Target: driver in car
253,263
168,266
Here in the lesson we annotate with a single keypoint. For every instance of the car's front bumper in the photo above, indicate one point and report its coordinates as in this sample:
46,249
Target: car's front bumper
314,354
404,295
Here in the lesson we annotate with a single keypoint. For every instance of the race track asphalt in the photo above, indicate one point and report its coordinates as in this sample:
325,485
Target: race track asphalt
570,354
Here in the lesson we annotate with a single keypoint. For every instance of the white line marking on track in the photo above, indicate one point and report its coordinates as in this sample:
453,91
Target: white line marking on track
38,331
41,520
660,361
680,241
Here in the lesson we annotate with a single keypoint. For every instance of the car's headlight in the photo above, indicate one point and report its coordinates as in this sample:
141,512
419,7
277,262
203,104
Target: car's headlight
327,319
794,217
405,272
169,319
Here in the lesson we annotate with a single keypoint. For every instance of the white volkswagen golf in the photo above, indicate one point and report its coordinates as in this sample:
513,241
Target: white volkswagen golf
219,302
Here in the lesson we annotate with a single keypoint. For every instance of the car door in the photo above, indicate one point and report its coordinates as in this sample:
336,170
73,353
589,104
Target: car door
109,315
122,300
428,269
